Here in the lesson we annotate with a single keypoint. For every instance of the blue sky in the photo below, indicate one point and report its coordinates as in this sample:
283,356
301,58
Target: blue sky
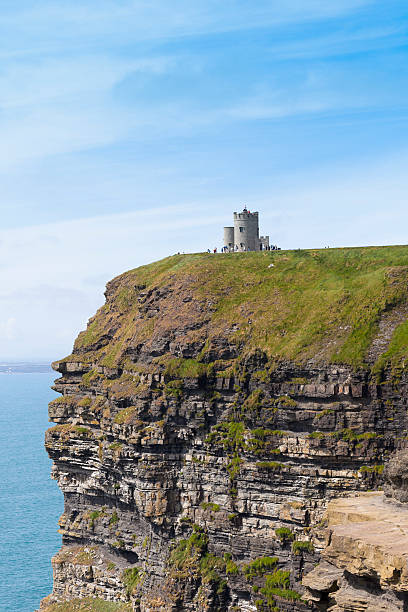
132,130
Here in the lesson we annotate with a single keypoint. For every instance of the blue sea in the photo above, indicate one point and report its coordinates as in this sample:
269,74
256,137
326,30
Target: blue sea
30,502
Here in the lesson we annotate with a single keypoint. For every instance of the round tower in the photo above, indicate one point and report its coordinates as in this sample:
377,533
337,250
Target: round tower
229,238
246,231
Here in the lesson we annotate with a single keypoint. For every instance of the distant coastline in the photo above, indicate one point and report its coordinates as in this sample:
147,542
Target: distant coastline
25,367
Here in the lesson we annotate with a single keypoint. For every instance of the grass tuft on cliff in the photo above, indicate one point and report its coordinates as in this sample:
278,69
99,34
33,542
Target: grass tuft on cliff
324,304
89,604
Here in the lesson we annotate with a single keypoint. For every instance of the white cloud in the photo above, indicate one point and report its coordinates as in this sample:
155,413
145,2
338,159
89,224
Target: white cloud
34,82
46,132
61,102
7,329
266,107
53,276
53,25
58,106
344,41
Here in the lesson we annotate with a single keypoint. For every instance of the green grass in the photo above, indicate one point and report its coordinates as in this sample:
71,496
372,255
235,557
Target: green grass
230,435
90,377
194,546
375,469
115,446
284,534
369,435
234,467
253,402
211,506
83,431
191,555
275,466
288,594
69,400
396,353
131,578
85,402
67,430
299,547
259,567
230,567
114,519
174,388
93,516
347,435
124,416
285,401
323,413
316,435
276,585
185,368
326,302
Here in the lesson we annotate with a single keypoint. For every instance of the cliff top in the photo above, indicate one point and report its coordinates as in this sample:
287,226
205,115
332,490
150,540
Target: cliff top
346,305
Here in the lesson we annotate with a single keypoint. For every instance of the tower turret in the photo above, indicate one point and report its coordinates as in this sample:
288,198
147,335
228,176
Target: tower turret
229,238
246,230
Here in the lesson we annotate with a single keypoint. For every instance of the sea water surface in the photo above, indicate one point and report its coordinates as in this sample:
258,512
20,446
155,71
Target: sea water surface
30,502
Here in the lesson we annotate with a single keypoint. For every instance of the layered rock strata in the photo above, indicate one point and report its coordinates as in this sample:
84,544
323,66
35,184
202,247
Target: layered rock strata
196,472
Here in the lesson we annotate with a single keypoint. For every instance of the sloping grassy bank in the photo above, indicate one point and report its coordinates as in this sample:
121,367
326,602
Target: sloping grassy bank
89,604
321,304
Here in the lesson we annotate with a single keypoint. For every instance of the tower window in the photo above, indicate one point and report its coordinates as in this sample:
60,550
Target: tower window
241,229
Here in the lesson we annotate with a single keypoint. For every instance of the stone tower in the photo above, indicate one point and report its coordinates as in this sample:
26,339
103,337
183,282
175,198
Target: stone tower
229,238
244,236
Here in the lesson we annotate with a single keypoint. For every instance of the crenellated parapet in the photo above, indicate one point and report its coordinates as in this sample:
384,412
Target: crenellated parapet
244,235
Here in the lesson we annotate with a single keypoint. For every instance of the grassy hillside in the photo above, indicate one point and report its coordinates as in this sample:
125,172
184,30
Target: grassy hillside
321,304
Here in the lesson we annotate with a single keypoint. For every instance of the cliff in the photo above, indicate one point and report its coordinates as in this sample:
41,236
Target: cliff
210,414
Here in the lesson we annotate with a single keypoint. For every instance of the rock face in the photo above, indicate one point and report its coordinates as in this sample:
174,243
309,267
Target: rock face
396,481
197,463
365,564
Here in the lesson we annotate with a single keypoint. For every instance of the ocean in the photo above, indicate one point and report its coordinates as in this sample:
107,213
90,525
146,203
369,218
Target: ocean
30,502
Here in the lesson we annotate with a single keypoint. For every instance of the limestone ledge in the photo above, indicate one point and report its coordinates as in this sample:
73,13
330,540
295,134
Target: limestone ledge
365,561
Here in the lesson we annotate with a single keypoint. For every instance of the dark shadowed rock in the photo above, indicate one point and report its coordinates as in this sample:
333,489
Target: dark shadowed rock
396,477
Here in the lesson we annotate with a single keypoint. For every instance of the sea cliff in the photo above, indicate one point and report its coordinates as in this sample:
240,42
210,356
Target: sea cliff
223,422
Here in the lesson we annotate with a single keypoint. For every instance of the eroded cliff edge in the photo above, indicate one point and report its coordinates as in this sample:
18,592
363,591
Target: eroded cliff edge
210,412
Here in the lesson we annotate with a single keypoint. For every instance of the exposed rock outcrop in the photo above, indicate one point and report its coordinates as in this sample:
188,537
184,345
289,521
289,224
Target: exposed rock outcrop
396,477
365,564
197,449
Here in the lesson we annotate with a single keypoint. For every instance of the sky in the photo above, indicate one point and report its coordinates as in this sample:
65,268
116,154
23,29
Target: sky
132,129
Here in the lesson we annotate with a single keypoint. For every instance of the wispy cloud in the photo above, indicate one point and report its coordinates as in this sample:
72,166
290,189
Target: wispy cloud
277,106
64,105
7,329
52,80
54,24
53,275
344,42
97,91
